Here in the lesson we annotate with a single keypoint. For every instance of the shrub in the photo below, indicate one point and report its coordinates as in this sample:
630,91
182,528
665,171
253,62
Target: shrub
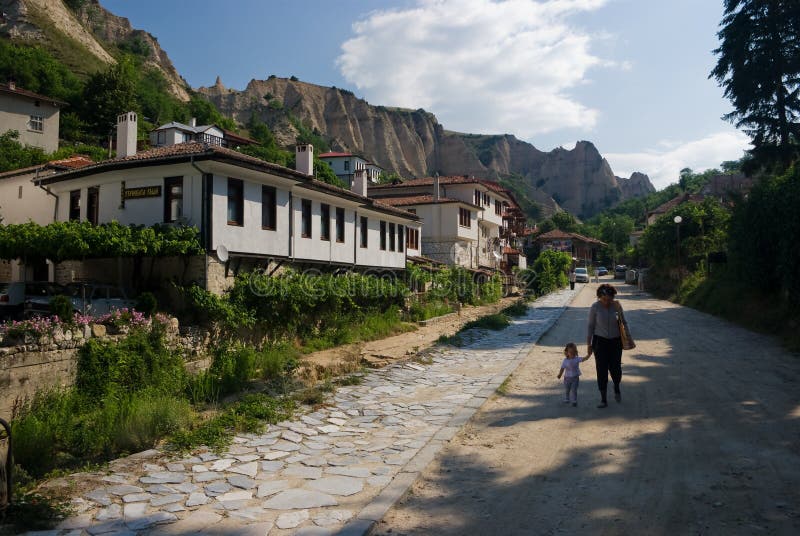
147,303
149,417
61,306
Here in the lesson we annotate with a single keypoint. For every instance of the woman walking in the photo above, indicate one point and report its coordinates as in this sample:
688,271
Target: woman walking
604,340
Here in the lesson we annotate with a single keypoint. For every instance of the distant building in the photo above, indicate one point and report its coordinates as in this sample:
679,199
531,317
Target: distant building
724,186
346,164
659,211
175,132
34,116
582,248
469,222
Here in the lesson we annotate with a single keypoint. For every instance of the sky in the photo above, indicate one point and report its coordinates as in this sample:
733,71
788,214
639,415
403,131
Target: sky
631,76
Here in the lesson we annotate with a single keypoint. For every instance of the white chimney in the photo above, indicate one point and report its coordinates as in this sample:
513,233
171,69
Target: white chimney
126,134
304,159
360,182
436,187
193,122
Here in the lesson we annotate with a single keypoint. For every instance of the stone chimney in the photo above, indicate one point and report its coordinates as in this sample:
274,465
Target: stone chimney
193,122
436,187
304,159
126,134
360,182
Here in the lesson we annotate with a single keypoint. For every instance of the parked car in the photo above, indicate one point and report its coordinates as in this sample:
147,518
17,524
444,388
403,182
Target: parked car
581,275
619,271
602,270
98,298
29,298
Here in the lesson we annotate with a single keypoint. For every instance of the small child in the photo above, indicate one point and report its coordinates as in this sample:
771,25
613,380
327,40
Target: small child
572,366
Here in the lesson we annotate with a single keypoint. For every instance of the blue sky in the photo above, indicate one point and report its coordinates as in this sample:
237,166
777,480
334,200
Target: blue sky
628,75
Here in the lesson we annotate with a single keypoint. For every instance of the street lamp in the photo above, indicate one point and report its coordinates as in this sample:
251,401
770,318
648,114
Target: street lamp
678,220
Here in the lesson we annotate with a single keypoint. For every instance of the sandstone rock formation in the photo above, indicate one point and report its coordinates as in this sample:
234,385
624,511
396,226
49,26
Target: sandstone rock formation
90,30
414,144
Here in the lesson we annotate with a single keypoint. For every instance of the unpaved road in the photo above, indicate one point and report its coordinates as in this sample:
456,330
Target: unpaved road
706,440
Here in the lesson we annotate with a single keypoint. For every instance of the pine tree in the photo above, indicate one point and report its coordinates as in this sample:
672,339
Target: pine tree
759,68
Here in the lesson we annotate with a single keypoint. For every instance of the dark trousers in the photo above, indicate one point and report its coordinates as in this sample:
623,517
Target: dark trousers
572,285
607,358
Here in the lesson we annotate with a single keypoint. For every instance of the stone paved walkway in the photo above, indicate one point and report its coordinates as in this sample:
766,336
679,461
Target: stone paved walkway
334,471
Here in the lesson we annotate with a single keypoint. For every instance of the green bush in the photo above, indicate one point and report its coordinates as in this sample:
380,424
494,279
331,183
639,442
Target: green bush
149,417
147,303
422,309
494,322
61,306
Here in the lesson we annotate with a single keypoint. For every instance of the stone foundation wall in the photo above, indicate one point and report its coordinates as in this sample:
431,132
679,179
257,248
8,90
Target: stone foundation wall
123,271
452,252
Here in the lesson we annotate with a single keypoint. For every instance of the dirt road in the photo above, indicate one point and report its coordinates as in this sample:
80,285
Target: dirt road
706,440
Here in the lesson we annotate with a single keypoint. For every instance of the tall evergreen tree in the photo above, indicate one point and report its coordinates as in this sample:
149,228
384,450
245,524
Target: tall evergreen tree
759,67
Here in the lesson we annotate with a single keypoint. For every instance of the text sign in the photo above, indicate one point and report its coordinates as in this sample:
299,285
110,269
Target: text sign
140,193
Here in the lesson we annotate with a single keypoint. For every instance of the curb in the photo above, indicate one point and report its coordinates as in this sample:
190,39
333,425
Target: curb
366,520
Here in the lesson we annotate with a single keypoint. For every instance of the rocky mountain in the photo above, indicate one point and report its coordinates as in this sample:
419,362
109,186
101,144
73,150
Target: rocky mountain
84,36
414,144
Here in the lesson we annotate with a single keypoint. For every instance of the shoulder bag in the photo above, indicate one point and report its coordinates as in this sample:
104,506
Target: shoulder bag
624,332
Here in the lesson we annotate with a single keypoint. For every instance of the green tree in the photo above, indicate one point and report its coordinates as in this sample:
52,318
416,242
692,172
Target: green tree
759,68
108,94
14,155
564,221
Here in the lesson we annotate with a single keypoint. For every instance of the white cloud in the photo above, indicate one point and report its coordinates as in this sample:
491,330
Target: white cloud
664,164
491,66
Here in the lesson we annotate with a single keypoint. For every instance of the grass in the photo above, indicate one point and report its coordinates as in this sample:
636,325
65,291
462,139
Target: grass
494,322
502,390
424,310
518,308
451,340
32,511
367,327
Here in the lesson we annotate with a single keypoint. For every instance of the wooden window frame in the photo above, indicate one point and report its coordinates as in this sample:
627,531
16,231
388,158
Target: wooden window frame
169,182
325,222
364,230
235,193
339,225
269,208
383,235
305,218
464,214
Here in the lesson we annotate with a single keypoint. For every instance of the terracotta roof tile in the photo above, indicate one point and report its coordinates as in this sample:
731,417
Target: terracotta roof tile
4,88
419,200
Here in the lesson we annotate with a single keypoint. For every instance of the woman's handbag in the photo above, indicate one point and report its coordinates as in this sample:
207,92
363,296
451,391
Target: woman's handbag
624,332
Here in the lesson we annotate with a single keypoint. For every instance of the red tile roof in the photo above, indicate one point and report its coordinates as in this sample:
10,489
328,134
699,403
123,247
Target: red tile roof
334,155
453,179
5,88
558,234
675,201
421,200
73,162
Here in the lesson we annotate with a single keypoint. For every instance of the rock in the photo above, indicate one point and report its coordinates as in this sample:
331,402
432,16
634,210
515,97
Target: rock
291,519
99,330
272,487
303,472
249,469
337,485
197,499
113,511
124,489
242,481
332,517
296,499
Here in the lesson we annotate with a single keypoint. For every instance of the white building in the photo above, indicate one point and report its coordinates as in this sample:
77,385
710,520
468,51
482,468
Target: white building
466,220
175,132
247,210
34,116
346,164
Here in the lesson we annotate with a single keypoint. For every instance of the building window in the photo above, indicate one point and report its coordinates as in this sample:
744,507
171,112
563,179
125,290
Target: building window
477,197
340,225
412,239
161,138
391,237
400,238
464,217
235,202
75,205
486,199
364,231
36,123
498,208
347,165
269,208
305,230
383,235
325,227
173,199
93,205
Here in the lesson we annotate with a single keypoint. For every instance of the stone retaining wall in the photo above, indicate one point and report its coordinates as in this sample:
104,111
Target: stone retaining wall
51,363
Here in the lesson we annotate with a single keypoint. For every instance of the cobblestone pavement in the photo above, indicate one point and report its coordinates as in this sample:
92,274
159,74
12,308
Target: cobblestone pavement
334,471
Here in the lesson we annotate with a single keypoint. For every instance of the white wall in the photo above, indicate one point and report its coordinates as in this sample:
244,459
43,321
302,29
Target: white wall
22,201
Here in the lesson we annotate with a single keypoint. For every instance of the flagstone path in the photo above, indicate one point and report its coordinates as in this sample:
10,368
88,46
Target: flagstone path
336,470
